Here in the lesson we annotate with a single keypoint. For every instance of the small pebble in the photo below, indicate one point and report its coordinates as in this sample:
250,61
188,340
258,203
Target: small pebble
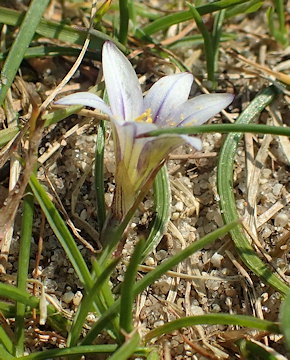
68,297
277,189
216,260
179,206
150,261
77,298
196,310
281,219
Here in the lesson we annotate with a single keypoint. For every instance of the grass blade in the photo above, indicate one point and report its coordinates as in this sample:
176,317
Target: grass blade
154,275
47,50
214,319
7,134
162,200
86,304
6,341
78,350
20,45
284,318
165,22
208,44
5,355
223,128
13,293
127,293
124,21
23,264
227,199
127,349
252,351
61,231
60,31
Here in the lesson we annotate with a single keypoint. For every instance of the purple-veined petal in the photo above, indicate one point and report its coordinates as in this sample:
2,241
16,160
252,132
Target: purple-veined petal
166,94
127,133
122,84
86,99
193,141
199,109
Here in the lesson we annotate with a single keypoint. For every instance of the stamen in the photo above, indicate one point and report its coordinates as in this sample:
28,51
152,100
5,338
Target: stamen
146,116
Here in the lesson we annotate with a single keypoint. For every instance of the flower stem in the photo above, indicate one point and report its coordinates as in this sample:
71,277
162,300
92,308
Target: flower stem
114,228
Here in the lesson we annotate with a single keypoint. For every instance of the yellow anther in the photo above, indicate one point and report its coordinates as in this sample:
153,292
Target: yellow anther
146,117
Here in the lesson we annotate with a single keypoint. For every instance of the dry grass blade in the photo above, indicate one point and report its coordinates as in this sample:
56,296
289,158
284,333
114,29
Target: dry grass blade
8,211
276,74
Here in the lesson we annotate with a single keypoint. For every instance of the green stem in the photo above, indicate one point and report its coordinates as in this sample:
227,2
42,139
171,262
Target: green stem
216,36
20,45
78,350
114,228
279,5
87,302
23,264
165,22
223,128
208,44
214,319
127,293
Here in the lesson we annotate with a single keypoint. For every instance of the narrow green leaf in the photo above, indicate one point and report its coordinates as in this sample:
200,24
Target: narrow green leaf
154,275
78,350
61,231
124,21
6,341
20,45
5,355
252,351
223,128
10,292
227,200
208,43
23,264
162,200
86,303
197,40
60,31
214,319
165,22
7,309
48,50
284,318
247,8
127,349
7,134
127,292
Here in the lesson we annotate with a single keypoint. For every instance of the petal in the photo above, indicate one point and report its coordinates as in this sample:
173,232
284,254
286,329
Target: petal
122,84
86,99
152,151
166,94
127,133
192,141
199,109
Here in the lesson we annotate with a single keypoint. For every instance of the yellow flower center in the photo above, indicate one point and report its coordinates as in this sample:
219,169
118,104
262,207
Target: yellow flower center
146,116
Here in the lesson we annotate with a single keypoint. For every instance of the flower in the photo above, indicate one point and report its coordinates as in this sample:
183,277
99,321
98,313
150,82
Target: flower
166,104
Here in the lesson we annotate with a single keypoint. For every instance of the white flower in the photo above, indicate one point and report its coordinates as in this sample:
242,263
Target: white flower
165,105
